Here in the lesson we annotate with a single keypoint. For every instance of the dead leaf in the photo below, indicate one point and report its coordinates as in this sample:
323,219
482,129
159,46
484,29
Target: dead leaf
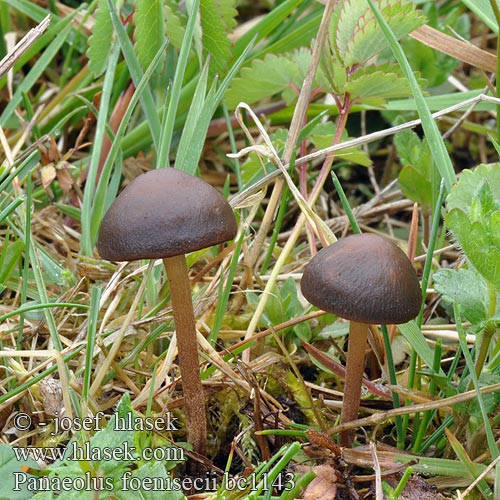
51,392
323,486
48,174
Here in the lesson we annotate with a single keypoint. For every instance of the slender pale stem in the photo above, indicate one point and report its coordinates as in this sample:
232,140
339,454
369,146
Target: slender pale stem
182,305
355,366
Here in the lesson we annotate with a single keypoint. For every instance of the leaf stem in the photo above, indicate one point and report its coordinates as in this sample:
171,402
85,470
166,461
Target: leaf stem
355,366
187,346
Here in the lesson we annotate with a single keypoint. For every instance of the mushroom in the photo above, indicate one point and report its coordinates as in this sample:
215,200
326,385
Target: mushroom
164,214
369,280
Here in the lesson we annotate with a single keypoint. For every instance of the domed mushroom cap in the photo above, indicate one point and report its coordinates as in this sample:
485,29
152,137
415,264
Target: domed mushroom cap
364,278
164,213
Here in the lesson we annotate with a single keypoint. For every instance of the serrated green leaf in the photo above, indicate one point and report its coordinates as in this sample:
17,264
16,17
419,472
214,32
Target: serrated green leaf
262,79
100,40
217,21
149,34
368,39
345,22
473,217
302,58
228,13
478,245
375,84
466,287
175,23
462,194
483,204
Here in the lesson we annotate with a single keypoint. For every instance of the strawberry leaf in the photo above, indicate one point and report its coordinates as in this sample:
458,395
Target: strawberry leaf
100,40
356,36
374,84
217,21
264,78
467,288
344,23
149,34
474,219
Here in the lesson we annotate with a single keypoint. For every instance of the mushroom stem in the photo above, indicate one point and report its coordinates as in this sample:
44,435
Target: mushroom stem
187,346
355,366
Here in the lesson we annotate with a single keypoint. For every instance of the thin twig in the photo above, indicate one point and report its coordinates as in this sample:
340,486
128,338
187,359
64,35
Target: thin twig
23,45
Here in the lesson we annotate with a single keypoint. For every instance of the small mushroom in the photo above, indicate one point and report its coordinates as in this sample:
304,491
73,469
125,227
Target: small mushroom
369,280
164,214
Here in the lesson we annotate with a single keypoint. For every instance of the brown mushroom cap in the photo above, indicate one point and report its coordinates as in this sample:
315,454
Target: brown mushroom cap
364,278
164,213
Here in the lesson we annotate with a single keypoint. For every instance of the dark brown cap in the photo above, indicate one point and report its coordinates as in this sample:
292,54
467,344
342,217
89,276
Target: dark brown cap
364,278
163,213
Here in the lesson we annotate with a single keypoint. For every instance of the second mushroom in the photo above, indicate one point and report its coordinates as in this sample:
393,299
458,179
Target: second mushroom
369,280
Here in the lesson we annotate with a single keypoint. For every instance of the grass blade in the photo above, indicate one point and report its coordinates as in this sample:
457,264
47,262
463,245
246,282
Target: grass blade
168,127
136,73
440,155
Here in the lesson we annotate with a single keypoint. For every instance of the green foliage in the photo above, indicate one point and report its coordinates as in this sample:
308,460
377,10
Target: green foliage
282,306
263,78
490,401
483,9
440,155
9,258
355,35
200,113
432,64
100,40
217,21
374,84
149,30
474,219
302,58
416,159
466,287
355,38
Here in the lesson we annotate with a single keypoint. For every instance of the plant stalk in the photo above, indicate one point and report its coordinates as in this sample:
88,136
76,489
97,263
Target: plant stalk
355,366
187,346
